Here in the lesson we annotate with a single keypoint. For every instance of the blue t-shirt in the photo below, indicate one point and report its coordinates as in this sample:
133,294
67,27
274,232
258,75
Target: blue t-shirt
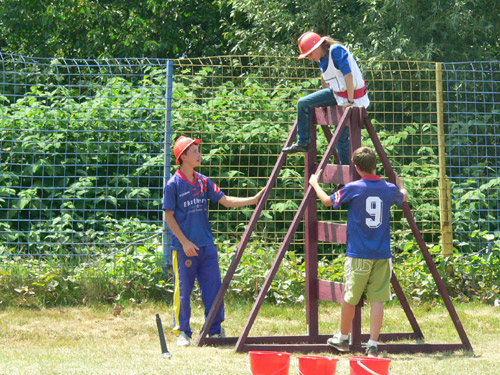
339,58
189,201
368,216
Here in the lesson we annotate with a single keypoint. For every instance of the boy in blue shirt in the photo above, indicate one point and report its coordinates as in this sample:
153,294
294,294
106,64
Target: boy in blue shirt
194,254
368,263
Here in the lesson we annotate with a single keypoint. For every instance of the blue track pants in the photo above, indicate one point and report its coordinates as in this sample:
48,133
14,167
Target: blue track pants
204,268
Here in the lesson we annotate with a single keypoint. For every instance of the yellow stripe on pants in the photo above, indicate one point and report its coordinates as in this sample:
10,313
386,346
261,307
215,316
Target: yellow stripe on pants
177,293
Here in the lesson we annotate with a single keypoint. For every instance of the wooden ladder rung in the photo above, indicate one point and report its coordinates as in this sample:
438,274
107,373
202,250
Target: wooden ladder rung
330,291
331,232
336,174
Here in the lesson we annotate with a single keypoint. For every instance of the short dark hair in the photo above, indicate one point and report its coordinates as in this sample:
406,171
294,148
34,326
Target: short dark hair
365,159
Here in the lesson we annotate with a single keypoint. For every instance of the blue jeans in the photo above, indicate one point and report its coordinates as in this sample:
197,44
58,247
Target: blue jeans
321,98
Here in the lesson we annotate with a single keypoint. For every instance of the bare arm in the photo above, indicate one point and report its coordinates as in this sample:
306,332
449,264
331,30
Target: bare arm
401,186
228,201
349,81
323,197
188,247
324,84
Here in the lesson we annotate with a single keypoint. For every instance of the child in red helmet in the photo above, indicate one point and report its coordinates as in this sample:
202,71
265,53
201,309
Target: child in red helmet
342,83
194,254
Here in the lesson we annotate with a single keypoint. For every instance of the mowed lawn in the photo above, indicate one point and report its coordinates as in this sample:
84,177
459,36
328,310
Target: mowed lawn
92,340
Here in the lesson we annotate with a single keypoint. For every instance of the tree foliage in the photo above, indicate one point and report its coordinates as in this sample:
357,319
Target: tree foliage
449,30
94,28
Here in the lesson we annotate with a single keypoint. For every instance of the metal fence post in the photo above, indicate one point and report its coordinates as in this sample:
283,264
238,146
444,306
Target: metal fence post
166,238
444,182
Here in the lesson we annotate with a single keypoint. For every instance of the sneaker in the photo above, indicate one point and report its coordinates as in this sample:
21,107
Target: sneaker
220,335
296,148
337,343
372,351
183,339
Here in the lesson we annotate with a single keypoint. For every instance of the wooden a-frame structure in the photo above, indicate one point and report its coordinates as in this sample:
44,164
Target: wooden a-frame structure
355,118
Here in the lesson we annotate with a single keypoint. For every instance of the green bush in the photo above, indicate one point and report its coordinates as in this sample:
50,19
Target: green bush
138,276
468,277
133,276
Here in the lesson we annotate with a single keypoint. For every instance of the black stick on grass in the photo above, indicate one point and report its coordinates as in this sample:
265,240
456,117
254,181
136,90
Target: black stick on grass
164,350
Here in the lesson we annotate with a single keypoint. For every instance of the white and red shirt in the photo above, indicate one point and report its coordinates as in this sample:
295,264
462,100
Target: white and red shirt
368,216
189,201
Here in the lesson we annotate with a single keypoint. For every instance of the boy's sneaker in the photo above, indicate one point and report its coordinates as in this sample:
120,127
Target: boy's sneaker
372,351
183,339
218,335
338,343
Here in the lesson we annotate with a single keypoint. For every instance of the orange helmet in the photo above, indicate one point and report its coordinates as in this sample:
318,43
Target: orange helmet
181,145
308,42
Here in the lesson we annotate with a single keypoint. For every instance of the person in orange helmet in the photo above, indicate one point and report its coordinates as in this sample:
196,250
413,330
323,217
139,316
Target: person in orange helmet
342,83
194,255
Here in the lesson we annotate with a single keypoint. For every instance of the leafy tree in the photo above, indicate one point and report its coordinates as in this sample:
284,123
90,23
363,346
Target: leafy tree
448,30
273,27
93,28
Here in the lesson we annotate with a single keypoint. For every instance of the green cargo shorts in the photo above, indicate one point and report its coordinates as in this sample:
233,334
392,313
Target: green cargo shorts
372,275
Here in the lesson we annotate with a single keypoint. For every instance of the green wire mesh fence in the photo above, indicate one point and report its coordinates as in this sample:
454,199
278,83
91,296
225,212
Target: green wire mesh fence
472,98
243,108
82,146
83,161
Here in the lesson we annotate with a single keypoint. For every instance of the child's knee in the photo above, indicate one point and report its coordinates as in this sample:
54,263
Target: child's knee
302,104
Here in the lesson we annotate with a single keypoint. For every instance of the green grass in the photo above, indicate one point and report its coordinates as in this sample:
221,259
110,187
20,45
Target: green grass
91,340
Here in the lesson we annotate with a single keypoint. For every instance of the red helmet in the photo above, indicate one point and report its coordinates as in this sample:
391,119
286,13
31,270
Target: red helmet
308,42
181,145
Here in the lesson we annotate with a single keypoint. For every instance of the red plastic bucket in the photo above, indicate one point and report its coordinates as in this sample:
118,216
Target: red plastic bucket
269,363
316,365
369,366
